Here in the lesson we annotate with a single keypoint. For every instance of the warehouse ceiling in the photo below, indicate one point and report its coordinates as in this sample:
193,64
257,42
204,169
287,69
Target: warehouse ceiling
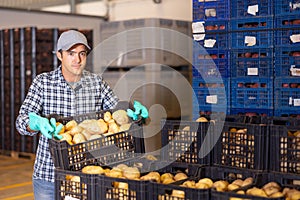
38,4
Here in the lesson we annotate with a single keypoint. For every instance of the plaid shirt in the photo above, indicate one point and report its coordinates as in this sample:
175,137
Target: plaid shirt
51,94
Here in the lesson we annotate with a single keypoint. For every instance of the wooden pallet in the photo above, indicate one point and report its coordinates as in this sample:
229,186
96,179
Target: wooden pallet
15,154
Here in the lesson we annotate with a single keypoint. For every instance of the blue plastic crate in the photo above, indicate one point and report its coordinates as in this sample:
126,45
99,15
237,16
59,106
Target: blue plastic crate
254,62
287,21
284,7
256,93
240,8
210,10
286,58
283,37
211,95
286,113
252,23
215,26
213,65
287,95
215,41
252,39
251,111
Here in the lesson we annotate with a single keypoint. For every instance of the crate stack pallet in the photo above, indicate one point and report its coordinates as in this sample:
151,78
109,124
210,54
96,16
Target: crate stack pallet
25,53
211,63
252,77
287,60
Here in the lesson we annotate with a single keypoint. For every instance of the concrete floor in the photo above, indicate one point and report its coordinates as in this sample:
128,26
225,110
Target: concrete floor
15,178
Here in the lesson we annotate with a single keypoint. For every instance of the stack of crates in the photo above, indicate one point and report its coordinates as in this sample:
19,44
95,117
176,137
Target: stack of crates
210,57
287,58
251,30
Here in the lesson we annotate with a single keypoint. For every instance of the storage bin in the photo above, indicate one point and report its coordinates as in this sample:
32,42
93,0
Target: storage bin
104,150
252,62
242,145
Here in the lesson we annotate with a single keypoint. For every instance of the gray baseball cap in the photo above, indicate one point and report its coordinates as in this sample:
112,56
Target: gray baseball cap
69,38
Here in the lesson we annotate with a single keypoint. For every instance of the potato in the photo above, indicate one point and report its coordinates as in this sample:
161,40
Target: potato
189,184
166,176
232,187
238,182
202,185
71,124
120,116
78,138
247,181
256,192
220,185
107,116
206,181
201,119
90,169
178,193
131,173
180,176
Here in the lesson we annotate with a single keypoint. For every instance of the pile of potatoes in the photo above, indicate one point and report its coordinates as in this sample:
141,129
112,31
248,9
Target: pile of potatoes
207,183
119,189
90,129
271,190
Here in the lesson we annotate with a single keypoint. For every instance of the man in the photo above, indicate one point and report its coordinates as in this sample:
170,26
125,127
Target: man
67,91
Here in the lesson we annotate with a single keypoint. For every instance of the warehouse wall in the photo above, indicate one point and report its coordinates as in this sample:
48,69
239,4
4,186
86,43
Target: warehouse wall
133,9
15,18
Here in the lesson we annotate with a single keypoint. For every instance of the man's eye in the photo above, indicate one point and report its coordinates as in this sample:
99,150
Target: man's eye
71,53
83,53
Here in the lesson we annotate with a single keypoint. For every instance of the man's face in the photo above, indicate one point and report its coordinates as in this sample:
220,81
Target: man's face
73,61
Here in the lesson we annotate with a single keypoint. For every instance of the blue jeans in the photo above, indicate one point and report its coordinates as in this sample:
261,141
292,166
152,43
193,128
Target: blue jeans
43,190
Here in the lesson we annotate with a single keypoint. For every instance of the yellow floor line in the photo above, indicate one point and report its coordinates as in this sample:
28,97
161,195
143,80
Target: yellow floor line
15,185
20,196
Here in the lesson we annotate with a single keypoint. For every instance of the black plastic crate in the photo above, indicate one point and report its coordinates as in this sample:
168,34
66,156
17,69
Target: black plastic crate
283,180
104,150
164,191
182,144
284,149
82,187
242,145
109,188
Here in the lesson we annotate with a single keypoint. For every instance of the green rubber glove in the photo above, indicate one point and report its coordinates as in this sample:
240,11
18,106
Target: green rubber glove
57,129
139,109
38,123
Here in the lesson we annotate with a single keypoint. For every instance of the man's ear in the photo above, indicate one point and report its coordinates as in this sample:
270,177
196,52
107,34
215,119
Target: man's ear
59,55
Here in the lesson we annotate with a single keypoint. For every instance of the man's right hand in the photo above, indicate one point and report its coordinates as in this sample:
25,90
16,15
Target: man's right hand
38,123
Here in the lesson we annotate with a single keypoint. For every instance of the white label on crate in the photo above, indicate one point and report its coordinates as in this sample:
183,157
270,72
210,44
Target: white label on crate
252,71
295,38
294,71
211,12
209,43
252,10
291,101
250,40
296,102
198,27
198,37
70,198
294,6
213,99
